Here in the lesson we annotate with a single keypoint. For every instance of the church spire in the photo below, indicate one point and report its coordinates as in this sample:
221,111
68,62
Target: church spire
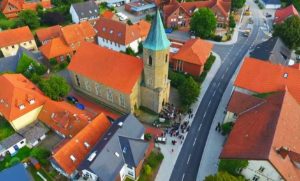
157,38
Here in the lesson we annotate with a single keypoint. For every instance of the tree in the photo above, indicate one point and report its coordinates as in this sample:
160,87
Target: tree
232,166
148,169
289,32
29,67
41,154
223,176
129,51
189,91
204,23
231,21
237,4
28,18
53,18
55,87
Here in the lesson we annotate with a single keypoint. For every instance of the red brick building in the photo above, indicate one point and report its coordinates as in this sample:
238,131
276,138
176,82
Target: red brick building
179,14
191,56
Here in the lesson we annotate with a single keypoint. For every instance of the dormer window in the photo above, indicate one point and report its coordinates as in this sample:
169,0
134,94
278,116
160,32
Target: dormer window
31,101
21,106
72,157
86,144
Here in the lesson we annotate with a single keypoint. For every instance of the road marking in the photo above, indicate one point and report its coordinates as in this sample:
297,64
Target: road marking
222,78
188,159
204,115
182,177
200,127
231,63
194,141
214,93
209,102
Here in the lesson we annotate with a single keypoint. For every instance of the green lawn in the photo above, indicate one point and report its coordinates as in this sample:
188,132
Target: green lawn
36,177
9,161
5,129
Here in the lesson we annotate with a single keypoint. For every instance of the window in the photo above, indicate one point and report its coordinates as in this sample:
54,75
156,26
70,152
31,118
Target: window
150,61
22,142
24,43
87,85
97,89
167,58
255,178
261,169
130,173
13,46
122,100
77,80
109,95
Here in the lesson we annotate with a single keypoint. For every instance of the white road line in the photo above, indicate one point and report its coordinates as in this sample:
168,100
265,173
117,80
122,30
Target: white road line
194,141
182,177
204,115
209,102
214,93
188,159
200,127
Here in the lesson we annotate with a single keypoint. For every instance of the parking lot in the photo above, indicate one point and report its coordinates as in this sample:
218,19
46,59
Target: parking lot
132,17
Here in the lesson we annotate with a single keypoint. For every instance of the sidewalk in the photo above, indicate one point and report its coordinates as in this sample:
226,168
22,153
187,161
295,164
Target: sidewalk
215,140
166,168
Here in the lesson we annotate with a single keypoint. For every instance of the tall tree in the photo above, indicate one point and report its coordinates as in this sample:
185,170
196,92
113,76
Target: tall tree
237,4
189,90
55,87
289,32
223,176
29,18
204,23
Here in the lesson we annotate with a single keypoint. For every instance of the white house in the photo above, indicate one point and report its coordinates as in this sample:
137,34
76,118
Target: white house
84,11
118,36
12,144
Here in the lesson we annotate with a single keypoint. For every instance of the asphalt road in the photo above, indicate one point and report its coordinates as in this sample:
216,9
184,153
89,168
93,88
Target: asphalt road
188,161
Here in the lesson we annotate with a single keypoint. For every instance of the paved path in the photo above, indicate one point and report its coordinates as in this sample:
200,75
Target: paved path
185,168
168,163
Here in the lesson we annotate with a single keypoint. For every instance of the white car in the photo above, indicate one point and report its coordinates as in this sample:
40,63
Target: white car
123,18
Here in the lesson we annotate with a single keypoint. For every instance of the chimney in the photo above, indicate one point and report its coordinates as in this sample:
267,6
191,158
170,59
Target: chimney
283,151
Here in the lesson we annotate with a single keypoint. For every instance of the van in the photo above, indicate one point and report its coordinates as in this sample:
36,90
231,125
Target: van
162,140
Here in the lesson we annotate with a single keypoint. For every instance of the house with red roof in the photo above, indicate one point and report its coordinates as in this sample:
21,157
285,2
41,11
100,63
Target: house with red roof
11,8
265,109
11,40
178,14
191,56
283,13
67,158
123,82
20,100
44,35
119,36
61,43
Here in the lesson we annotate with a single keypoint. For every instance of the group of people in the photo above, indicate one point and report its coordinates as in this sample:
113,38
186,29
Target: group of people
170,112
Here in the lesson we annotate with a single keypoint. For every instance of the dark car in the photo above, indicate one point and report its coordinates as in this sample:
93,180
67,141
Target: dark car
72,99
268,15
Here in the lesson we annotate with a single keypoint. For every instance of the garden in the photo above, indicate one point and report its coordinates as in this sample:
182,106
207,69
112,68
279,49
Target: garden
151,166
6,129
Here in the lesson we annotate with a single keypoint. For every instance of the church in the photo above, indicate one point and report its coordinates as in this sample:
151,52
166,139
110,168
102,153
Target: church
123,82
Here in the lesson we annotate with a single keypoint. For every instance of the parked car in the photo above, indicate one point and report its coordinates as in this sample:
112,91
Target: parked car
111,5
169,30
162,140
123,17
72,99
80,106
247,33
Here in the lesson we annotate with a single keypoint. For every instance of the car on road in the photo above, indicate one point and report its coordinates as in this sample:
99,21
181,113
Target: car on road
268,15
247,32
162,140
72,99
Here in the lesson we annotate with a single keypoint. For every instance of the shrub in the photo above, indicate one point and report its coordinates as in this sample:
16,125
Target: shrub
232,22
53,61
232,166
189,91
148,136
209,62
226,128
148,169
176,78
217,38
55,87
7,24
13,161
28,67
149,17
63,65
41,154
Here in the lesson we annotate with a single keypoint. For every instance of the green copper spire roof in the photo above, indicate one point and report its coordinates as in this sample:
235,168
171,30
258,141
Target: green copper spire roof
157,38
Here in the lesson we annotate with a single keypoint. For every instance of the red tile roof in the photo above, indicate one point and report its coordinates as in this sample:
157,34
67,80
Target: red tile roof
117,31
79,146
194,51
48,33
283,13
113,69
240,102
64,118
55,48
144,28
263,77
17,90
77,33
107,14
258,133
15,36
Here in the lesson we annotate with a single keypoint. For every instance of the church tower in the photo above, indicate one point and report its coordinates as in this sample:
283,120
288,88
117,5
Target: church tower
155,86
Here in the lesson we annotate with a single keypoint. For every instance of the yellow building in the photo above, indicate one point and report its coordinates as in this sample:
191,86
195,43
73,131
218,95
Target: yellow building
11,40
123,82
20,100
